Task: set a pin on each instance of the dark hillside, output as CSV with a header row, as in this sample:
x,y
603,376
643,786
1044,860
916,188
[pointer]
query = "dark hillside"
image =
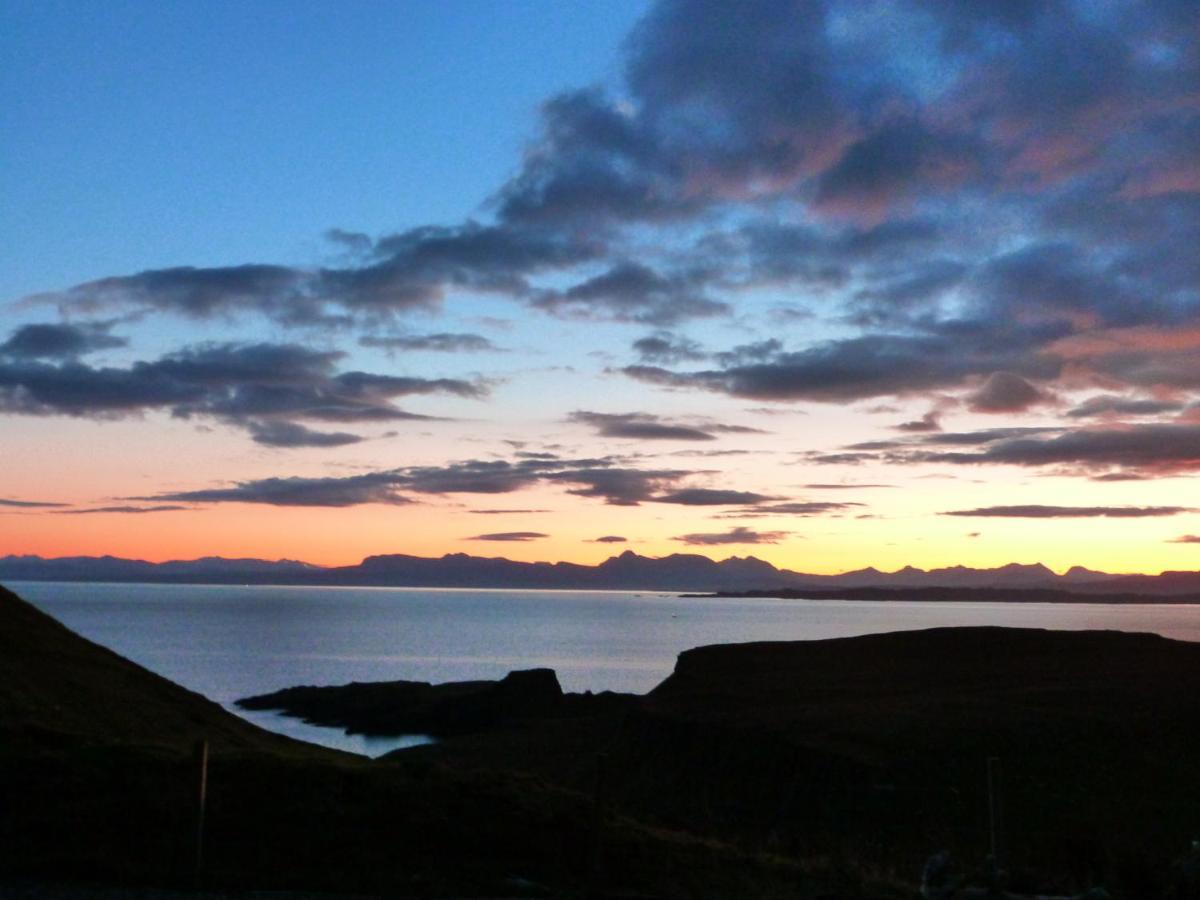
x,y
56,686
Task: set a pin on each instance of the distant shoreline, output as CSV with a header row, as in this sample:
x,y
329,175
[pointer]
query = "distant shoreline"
x,y
961,595
873,594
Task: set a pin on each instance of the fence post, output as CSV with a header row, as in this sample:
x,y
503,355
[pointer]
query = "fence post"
x,y
200,770
995,784
599,815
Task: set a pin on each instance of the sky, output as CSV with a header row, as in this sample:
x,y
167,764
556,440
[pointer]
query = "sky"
x,y
833,284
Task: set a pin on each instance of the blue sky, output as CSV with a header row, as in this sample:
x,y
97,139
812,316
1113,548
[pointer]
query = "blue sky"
x,y
143,135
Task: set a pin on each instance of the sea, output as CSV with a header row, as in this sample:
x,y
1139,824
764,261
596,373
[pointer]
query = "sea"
x,y
228,642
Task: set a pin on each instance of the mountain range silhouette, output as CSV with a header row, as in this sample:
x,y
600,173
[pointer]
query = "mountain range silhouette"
x,y
628,571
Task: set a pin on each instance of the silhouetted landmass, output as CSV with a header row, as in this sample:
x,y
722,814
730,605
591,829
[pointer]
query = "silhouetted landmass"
x,y
98,786
874,749
628,571
417,707
799,769
958,595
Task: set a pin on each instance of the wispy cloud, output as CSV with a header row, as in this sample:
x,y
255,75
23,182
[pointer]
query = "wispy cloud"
x,y
1034,511
122,510
648,427
505,536
737,535
607,478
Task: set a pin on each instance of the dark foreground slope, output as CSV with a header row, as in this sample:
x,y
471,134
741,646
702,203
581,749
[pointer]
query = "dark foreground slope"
x,y
58,689
97,786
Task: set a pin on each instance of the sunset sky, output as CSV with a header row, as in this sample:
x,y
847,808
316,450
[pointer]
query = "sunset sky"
x,y
831,284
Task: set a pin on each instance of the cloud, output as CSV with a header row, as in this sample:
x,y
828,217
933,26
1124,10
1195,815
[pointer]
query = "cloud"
x,y
407,271
870,449
1071,512
1185,539
292,434
264,388
738,535
711,497
928,422
633,292
617,485
592,163
793,508
610,539
1148,448
123,510
1005,392
1124,452
893,162
605,478
748,354
667,349
353,490
644,426
859,368
415,268
442,342
59,340
985,435
1106,405
477,476
823,258
842,487
640,426
29,504
506,512
509,536
196,292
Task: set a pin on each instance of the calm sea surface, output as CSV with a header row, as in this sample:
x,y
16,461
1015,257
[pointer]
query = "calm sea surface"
x,y
229,641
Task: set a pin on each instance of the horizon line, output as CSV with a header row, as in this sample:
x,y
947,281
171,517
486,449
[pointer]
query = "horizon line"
x,y
319,566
